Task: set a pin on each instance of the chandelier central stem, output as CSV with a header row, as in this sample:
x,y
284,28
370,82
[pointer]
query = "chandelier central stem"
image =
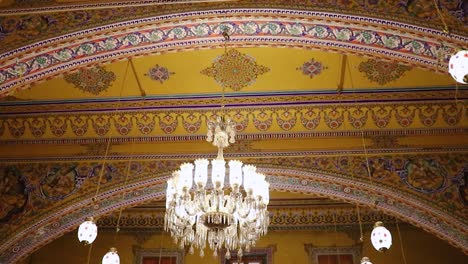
x,y
220,154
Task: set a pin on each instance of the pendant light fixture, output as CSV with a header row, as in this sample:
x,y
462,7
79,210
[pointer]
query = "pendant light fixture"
x,y
87,232
365,260
458,66
381,238
111,257
458,63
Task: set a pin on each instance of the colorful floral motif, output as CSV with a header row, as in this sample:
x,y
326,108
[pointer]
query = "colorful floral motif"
x,y
382,72
426,176
59,182
235,70
52,59
94,80
159,73
312,68
16,30
294,119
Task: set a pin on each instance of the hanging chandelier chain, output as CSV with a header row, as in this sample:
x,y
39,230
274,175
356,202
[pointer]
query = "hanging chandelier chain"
x,y
401,243
88,257
441,17
364,146
127,174
223,88
88,230
339,91
103,166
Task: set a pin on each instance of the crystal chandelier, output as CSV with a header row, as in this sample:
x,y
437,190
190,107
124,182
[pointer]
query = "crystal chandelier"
x,y
230,215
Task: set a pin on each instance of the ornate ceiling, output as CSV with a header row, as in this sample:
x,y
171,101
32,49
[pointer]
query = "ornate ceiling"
x,y
317,95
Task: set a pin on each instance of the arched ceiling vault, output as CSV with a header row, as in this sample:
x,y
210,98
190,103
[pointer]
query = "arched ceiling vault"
x,y
332,32
322,184
324,94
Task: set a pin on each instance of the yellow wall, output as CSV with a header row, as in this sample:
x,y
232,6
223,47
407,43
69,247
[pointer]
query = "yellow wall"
x,y
419,248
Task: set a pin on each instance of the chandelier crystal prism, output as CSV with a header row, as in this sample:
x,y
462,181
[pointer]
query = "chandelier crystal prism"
x,y
206,203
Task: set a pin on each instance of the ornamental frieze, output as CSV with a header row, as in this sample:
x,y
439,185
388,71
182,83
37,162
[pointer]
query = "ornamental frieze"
x,y
323,118
21,29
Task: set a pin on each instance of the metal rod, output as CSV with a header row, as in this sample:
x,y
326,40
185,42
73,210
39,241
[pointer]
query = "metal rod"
x,y
143,93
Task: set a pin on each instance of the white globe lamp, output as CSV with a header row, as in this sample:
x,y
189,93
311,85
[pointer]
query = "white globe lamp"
x,y
458,66
365,260
381,238
111,257
87,232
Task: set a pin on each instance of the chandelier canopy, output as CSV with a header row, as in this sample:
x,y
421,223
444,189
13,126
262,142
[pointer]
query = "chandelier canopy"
x,y
206,202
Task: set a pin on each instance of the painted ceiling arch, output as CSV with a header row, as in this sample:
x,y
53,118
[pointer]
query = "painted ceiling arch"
x,y
145,187
308,136
332,32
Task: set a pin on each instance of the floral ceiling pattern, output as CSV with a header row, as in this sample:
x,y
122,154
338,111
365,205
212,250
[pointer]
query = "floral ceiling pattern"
x,y
235,70
382,72
93,80
312,68
18,30
159,73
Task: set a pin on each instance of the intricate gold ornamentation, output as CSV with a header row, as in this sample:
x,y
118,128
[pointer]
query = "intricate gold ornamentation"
x,y
94,80
382,72
235,70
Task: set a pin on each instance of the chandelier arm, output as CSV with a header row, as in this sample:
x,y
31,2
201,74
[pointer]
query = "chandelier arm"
x,y
244,215
201,198
205,205
246,203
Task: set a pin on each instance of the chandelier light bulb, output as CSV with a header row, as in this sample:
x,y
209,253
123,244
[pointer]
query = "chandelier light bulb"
x,y
458,66
111,257
365,260
87,232
381,238
201,172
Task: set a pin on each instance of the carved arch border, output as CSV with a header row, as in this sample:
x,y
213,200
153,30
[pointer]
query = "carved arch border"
x,y
326,31
294,180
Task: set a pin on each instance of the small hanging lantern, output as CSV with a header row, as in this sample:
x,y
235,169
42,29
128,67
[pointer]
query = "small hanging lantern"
x,y
111,257
458,66
365,260
87,232
381,238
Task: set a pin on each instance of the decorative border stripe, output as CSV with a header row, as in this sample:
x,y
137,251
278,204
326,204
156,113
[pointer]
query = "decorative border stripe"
x,y
271,27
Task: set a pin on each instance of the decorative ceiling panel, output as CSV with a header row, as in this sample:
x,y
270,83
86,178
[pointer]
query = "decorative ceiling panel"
x,y
416,46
